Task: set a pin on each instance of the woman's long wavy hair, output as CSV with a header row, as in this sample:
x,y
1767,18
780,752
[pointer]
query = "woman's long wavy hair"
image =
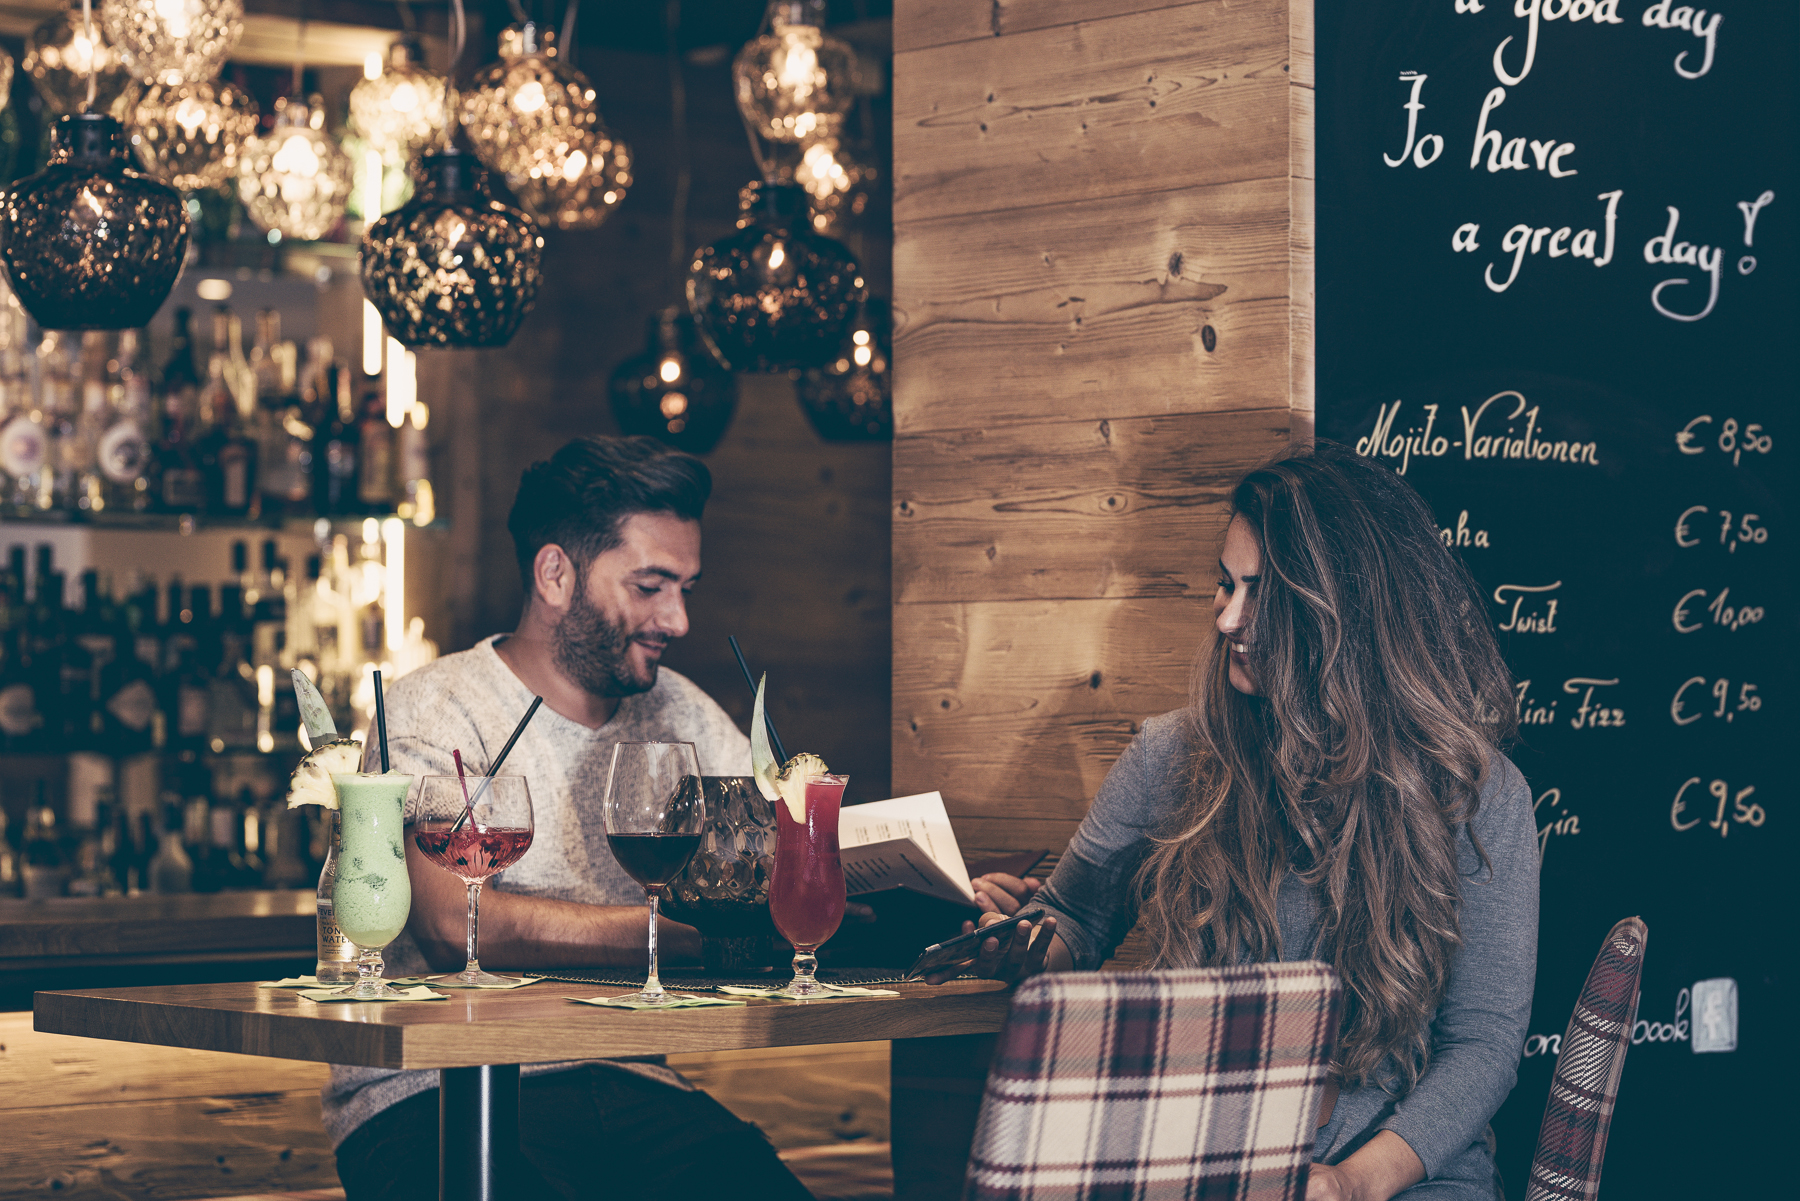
x,y
1383,703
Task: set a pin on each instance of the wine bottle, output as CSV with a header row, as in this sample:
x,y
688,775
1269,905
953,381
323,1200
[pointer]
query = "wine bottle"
x,y
170,870
46,868
228,453
122,452
180,476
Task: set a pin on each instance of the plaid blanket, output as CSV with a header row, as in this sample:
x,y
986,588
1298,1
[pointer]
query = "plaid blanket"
x,y
1572,1141
1139,1086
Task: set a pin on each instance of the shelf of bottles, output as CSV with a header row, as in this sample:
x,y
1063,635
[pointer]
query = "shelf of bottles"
x,y
147,726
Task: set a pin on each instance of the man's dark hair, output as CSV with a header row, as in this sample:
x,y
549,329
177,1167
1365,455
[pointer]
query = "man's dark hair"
x,y
581,496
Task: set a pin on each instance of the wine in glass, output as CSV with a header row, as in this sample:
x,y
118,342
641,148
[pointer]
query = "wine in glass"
x,y
372,895
654,814
474,829
806,892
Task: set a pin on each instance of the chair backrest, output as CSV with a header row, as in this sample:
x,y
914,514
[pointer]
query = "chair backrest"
x,y
1149,1085
1572,1141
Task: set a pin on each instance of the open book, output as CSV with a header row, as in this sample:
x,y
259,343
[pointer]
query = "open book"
x,y
905,843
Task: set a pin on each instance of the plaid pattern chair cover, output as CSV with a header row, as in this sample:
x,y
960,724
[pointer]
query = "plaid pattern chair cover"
x,y
1191,1084
1572,1141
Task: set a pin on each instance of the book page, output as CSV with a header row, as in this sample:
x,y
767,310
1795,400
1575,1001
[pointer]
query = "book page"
x,y
906,842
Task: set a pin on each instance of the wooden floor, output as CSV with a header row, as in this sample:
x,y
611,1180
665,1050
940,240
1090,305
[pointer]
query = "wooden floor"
x,y
87,1120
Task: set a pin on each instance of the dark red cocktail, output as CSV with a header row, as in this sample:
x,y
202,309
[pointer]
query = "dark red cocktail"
x,y
806,891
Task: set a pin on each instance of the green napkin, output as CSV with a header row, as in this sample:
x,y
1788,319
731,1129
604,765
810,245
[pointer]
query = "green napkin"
x,y
831,990
675,1001
452,982
416,993
313,982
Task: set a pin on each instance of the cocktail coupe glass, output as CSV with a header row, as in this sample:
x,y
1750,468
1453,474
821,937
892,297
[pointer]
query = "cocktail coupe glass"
x,y
372,895
495,835
806,893
655,812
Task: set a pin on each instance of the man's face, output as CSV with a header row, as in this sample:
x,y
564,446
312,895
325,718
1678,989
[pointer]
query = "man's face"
x,y
630,606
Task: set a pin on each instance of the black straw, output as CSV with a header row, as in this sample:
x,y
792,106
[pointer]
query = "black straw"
x,y
381,723
494,768
781,755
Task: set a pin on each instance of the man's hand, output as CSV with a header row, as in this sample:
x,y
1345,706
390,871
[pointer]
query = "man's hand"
x,y
1011,957
1000,893
1381,1167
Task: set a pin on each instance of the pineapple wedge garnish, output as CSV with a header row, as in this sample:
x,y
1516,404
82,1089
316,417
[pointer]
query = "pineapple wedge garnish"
x,y
787,782
311,781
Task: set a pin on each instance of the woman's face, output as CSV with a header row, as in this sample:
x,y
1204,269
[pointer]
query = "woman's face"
x,y
1240,564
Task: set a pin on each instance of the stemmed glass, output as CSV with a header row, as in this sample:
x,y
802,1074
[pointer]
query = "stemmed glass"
x,y
654,814
806,893
372,895
496,832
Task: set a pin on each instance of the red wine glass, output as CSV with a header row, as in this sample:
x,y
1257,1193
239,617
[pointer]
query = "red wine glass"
x,y
493,836
655,811
806,893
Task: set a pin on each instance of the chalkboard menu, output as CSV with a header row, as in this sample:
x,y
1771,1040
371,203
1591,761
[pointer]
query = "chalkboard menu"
x,y
1556,284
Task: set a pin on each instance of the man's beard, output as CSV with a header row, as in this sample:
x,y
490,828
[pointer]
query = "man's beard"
x,y
591,651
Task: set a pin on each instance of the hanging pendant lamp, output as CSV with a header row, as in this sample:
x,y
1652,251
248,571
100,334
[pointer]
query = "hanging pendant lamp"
x,y
775,295
675,392
851,398
796,79
531,111
837,179
296,181
89,243
401,110
62,52
578,189
174,41
191,134
452,266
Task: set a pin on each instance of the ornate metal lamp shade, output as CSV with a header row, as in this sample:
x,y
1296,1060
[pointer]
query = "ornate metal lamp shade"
x,y
6,78
851,398
452,266
402,110
89,243
675,391
796,79
835,178
191,134
775,295
296,180
530,111
173,41
58,57
583,189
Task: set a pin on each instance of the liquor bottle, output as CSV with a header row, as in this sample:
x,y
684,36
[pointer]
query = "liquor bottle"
x,y
21,720
10,882
337,444
228,454
170,870
336,954
24,442
122,451
180,475
128,696
91,875
216,869
59,403
265,357
283,833
124,863
417,503
376,489
283,427
46,868
249,862
88,490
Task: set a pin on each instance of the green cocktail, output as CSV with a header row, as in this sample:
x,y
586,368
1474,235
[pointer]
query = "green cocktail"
x,y
373,895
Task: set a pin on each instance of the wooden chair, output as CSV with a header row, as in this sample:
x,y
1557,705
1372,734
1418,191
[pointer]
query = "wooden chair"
x,y
1192,1084
1572,1141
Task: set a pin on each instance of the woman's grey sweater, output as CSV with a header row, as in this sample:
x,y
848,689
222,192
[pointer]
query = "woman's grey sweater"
x,y
1479,1029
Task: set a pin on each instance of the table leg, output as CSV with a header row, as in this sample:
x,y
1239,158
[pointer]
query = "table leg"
x,y
478,1132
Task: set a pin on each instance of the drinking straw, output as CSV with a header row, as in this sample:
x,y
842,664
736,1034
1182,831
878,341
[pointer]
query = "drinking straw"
x,y
781,755
381,723
498,760
462,778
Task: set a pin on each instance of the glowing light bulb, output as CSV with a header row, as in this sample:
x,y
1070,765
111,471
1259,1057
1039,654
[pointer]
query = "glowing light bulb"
x,y
530,97
669,370
172,42
777,256
796,79
372,65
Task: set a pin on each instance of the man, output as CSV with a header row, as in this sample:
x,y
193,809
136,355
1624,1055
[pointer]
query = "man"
x,y
607,533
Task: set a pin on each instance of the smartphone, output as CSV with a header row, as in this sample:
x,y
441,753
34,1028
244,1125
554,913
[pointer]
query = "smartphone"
x,y
965,947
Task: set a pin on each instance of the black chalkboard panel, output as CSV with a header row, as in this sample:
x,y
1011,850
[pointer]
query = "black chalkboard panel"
x,y
1559,293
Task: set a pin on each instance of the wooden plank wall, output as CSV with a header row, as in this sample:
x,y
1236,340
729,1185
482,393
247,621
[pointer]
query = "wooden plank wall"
x,y
1103,288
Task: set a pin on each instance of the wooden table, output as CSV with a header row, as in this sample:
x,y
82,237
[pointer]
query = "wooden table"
x,y
479,1039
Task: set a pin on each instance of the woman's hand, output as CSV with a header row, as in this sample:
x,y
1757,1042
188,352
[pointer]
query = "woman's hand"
x,y
1011,957
1005,895
1327,1183
1382,1167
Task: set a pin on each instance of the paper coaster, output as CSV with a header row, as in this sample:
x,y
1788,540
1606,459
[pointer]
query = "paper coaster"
x,y
452,982
674,1002
831,991
415,993
313,982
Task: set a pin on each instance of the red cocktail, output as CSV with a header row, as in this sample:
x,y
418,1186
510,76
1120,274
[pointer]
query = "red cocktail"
x,y
806,892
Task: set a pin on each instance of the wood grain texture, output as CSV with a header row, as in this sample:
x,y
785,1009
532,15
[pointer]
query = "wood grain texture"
x,y
940,22
533,1025
1100,307
1112,508
146,928
1146,102
1302,171
1016,710
800,1096
218,1146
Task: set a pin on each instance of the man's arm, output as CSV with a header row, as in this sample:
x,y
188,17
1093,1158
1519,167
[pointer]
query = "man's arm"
x,y
519,932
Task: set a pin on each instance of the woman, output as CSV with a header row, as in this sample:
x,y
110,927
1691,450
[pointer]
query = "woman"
x,y
1335,791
